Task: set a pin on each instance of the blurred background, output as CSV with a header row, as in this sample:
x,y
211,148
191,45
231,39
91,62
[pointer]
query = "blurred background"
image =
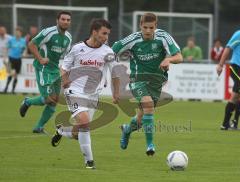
x,y
202,20
120,13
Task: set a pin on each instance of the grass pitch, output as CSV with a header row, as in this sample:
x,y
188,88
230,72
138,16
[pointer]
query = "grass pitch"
x,y
192,127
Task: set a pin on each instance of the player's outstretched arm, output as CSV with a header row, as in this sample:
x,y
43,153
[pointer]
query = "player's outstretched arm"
x,y
116,89
65,78
224,57
177,58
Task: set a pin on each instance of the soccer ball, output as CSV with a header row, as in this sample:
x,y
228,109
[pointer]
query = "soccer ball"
x,y
177,160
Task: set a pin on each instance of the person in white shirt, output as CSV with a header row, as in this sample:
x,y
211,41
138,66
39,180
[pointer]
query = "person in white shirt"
x,y
83,76
4,38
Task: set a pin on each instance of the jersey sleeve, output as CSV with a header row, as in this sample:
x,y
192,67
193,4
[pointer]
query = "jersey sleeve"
x,y
44,36
234,41
40,38
170,45
68,60
126,44
69,45
118,46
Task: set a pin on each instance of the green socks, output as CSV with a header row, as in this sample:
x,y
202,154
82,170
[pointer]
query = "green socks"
x,y
133,126
38,101
147,124
46,115
148,127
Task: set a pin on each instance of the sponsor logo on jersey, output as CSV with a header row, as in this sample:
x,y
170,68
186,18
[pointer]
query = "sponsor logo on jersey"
x,y
81,50
139,49
154,46
57,49
91,63
148,57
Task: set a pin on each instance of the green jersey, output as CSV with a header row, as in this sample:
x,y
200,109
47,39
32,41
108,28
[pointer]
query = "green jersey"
x,y
147,55
53,45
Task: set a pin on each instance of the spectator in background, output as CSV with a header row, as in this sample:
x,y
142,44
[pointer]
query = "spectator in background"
x,y
16,46
216,51
33,31
191,52
4,38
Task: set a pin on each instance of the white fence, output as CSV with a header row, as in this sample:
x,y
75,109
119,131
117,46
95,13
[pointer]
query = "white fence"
x,y
186,81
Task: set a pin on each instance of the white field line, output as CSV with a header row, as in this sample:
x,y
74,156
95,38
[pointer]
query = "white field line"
x,y
26,136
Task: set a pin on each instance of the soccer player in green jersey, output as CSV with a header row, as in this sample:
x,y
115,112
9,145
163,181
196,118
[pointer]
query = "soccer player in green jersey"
x,y
48,47
152,50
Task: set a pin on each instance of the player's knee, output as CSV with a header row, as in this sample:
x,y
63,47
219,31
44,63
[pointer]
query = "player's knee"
x,y
79,128
148,110
52,101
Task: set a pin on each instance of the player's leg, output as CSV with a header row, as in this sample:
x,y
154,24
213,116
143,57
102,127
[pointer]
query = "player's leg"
x,y
236,116
9,78
231,105
48,111
80,130
38,100
84,138
17,68
148,122
127,129
229,108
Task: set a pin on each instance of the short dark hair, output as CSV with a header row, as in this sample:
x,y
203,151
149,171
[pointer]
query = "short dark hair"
x,y
97,24
148,17
63,13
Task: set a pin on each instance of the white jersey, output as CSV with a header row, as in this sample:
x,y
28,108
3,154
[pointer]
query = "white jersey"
x,y
4,45
88,67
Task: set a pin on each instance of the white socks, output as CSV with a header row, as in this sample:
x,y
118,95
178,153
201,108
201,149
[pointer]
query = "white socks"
x,y
85,145
84,140
65,131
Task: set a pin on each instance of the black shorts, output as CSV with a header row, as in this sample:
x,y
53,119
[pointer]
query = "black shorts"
x,y
235,75
15,64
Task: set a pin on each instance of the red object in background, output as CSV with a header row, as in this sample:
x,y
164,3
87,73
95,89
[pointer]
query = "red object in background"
x,y
216,54
227,94
30,83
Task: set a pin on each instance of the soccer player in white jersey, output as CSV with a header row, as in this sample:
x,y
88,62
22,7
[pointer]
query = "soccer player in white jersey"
x,y
83,77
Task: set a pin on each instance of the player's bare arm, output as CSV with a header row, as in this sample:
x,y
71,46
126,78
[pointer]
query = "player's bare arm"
x,y
224,57
177,58
34,50
65,78
116,88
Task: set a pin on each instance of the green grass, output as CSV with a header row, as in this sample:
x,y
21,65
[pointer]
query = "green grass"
x,y
213,154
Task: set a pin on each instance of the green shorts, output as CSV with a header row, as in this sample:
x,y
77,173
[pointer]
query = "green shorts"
x,y
48,83
143,88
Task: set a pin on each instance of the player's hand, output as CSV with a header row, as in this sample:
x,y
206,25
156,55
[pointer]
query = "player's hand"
x,y
43,61
65,83
219,69
165,64
116,98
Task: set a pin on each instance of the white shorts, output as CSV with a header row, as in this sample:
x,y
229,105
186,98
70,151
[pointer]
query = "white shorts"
x,y
81,102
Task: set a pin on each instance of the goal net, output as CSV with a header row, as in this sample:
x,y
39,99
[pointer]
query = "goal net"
x,y
183,25
42,16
